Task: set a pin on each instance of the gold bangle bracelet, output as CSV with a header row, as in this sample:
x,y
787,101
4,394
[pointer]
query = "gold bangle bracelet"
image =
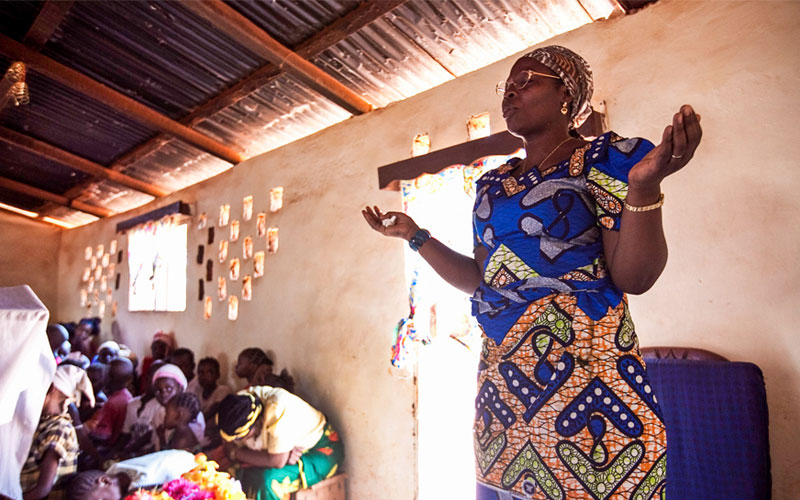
x,y
646,208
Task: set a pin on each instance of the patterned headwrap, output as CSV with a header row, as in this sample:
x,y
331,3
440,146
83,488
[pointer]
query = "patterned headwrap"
x,y
237,414
576,74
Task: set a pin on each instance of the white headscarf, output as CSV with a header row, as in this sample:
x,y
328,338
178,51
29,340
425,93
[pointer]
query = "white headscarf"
x,y
173,372
72,381
109,344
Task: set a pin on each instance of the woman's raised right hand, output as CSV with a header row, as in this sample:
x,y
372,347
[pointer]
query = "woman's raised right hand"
x,y
404,226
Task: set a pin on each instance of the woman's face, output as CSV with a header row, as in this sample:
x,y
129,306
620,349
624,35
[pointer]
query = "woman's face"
x,y
244,368
166,389
537,106
82,338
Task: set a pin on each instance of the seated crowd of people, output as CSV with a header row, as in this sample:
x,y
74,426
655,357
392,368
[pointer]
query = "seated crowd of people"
x,y
102,417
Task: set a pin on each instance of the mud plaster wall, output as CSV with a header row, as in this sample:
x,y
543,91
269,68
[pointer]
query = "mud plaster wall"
x,y
28,256
331,296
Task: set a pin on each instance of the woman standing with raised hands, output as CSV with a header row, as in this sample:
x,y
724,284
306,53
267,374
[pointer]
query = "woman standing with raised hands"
x,y
564,406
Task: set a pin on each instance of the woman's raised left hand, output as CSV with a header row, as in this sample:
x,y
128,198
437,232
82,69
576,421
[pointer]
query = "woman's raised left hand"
x,y
678,144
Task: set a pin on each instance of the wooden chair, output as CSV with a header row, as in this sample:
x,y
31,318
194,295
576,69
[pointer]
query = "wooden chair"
x,y
330,489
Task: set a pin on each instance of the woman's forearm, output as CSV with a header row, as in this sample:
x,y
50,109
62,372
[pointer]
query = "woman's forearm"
x,y
459,270
261,458
636,256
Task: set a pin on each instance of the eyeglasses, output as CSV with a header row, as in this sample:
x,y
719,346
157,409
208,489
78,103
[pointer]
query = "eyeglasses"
x,y
520,81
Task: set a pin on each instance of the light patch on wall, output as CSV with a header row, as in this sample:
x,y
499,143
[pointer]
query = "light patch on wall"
x,y
258,265
105,260
84,297
276,199
272,240
247,287
247,207
234,269
223,251
208,306
87,253
478,126
87,273
202,221
234,230
112,247
247,248
261,225
224,215
233,308
101,249
421,144
222,288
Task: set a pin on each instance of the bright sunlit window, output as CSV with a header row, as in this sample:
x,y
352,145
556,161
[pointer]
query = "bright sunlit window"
x,y
157,266
448,342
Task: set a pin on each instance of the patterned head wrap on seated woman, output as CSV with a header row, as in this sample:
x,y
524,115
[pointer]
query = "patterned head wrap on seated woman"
x,y
72,381
237,414
173,372
576,74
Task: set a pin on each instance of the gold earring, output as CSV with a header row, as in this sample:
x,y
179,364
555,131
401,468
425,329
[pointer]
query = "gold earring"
x,y
564,109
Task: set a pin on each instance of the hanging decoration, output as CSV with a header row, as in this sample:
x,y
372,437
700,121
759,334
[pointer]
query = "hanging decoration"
x,y
18,90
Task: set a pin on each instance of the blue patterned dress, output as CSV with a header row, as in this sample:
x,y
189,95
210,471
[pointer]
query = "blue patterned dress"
x,y
564,407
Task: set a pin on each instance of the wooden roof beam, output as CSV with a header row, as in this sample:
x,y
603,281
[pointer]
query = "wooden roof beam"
x,y
74,161
124,104
46,22
250,36
54,198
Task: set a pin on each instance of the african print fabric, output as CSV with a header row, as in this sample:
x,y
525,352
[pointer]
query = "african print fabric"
x,y
319,463
564,407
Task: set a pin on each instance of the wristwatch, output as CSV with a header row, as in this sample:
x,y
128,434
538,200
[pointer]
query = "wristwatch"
x,y
419,239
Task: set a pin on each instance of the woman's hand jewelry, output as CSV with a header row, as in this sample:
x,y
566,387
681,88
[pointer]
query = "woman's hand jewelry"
x,y
678,144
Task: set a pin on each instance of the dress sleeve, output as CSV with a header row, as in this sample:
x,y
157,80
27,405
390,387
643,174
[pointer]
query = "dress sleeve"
x,y
607,179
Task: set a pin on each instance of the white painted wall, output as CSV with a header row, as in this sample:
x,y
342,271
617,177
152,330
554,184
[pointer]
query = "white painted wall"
x,y
331,296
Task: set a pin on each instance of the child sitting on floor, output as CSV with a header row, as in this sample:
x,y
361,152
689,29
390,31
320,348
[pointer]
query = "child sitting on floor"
x,y
168,382
53,456
183,358
208,392
98,375
136,437
180,412
105,425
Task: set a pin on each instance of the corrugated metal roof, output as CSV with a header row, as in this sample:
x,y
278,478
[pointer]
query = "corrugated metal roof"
x,y
169,59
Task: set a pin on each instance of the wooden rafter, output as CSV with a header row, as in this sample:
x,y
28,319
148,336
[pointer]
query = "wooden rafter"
x,y
74,161
124,104
332,34
253,38
46,22
54,198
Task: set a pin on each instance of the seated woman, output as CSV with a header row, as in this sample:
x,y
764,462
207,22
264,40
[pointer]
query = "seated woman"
x,y
284,443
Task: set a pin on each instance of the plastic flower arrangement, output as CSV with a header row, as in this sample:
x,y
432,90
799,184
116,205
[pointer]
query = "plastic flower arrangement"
x,y
203,482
